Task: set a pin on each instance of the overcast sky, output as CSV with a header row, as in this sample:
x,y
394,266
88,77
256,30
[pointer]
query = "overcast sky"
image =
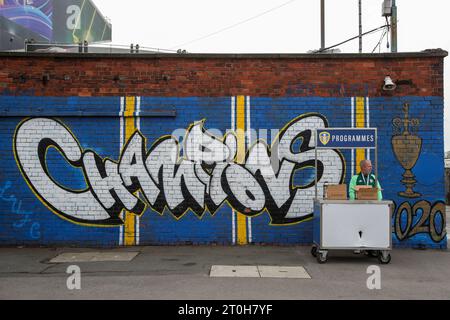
x,y
276,26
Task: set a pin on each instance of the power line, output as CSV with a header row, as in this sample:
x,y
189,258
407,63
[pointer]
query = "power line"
x,y
234,25
385,33
381,40
353,38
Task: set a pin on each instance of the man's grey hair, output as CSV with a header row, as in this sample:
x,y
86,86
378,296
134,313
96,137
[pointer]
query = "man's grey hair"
x,y
362,162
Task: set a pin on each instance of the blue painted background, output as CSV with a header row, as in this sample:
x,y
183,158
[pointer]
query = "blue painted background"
x,y
95,123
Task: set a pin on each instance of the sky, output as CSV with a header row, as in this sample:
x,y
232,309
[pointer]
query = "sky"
x,y
277,26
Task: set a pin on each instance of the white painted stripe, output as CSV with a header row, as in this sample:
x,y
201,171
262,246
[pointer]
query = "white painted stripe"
x,y
233,114
138,126
138,110
233,129
122,105
368,121
249,142
352,126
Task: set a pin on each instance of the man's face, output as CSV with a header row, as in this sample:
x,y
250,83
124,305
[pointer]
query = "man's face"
x,y
366,167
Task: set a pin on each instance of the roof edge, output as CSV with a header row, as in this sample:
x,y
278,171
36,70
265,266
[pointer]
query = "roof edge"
x,y
421,54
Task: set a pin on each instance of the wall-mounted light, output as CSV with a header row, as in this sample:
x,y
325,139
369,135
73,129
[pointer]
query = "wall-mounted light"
x,y
389,85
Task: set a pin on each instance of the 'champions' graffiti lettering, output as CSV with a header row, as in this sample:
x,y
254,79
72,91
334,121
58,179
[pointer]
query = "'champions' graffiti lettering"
x,y
198,175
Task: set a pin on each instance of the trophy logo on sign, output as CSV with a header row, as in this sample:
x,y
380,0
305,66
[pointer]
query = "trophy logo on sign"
x,y
407,147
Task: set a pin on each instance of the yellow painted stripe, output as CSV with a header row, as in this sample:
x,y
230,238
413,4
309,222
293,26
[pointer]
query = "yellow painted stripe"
x,y
360,123
240,158
130,218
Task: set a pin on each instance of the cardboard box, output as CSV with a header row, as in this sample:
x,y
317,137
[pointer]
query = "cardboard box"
x,y
335,192
357,188
367,194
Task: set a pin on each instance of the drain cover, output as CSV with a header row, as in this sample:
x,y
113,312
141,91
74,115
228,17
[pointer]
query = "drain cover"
x,y
93,257
234,271
297,272
283,272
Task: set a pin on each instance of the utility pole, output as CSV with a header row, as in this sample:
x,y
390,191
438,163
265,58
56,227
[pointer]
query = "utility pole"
x,y
360,26
394,27
322,24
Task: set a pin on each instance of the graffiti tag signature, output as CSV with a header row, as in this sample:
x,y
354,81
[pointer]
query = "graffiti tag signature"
x,y
16,207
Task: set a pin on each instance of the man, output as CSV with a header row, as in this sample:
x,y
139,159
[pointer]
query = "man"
x,y
364,178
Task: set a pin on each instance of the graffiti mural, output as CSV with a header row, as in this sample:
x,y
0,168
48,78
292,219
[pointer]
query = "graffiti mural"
x,y
108,171
25,217
407,146
421,217
200,174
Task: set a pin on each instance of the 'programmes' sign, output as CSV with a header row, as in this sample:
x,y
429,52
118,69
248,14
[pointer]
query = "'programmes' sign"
x,y
346,138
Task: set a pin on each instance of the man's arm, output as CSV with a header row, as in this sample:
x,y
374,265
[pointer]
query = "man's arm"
x,y
351,188
380,195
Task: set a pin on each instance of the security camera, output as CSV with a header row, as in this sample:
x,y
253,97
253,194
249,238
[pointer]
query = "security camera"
x,y
389,85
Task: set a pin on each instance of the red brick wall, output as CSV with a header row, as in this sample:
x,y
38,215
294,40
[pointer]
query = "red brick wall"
x,y
221,75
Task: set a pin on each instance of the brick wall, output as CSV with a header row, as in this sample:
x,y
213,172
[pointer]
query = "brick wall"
x,y
105,150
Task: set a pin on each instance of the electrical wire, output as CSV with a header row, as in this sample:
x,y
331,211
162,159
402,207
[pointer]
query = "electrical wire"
x,y
233,25
353,38
381,40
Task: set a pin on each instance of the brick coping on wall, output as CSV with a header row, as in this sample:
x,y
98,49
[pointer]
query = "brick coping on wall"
x,y
421,54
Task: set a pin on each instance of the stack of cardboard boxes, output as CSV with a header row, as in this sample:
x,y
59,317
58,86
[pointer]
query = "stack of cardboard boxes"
x,y
339,192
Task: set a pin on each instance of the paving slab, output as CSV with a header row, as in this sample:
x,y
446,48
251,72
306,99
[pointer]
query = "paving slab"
x,y
234,271
283,272
94,256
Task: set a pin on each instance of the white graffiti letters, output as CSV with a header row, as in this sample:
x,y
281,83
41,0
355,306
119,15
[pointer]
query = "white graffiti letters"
x,y
32,139
198,176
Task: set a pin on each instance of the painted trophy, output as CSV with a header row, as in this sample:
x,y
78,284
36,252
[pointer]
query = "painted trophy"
x,y
407,147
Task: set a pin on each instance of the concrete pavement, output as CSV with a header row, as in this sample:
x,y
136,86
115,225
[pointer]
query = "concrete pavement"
x,y
182,272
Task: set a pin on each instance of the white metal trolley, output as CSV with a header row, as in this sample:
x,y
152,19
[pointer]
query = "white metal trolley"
x,y
350,224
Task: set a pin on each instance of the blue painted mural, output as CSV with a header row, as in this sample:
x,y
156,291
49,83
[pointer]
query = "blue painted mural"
x,y
107,171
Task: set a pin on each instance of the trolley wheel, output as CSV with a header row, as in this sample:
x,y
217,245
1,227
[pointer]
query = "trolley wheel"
x,y
384,259
321,257
314,251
